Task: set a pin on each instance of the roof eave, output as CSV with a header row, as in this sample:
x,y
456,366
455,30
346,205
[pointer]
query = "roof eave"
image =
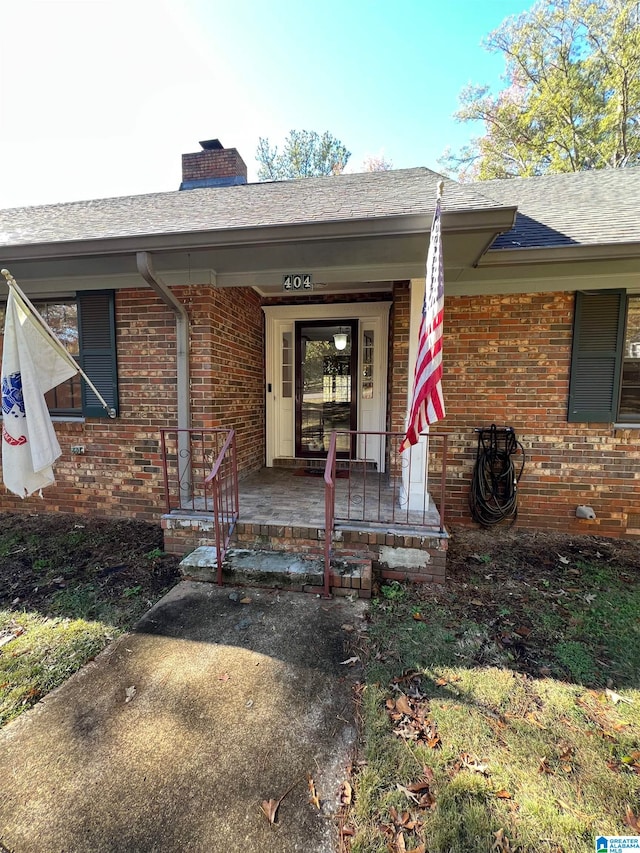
x,y
498,219
555,254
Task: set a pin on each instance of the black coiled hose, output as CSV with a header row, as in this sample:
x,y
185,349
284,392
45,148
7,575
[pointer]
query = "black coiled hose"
x,y
494,484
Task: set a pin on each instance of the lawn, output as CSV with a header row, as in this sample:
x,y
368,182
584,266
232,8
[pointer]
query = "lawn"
x,y
68,586
502,712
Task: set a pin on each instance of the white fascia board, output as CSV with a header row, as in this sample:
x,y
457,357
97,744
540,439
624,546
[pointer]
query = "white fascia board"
x,y
559,254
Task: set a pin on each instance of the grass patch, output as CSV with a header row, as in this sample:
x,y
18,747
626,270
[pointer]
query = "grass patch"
x,y
45,652
491,703
68,586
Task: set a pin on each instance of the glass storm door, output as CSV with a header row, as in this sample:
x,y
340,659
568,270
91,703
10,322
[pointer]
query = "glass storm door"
x,y
326,385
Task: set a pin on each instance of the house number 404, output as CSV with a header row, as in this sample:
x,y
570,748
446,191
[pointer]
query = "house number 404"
x,y
297,281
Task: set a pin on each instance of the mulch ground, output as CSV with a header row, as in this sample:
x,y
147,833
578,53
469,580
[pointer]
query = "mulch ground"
x,y
43,554
497,577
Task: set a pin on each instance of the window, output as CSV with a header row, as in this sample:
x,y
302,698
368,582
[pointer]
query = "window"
x,y
605,361
629,409
62,319
85,325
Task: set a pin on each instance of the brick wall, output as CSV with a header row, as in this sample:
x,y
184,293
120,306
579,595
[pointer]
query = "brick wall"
x,y
218,163
120,473
506,361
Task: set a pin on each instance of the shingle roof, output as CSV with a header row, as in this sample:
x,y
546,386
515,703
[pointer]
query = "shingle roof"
x,y
577,208
312,200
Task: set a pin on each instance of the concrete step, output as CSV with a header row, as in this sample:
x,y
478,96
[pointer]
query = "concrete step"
x,y
281,570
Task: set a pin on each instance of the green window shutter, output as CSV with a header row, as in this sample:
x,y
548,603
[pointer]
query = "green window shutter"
x,y
596,358
96,325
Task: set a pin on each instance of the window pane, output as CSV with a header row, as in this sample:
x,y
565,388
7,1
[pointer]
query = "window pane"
x,y
367,365
630,391
287,364
62,319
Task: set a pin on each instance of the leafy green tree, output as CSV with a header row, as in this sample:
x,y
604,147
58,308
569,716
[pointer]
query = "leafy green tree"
x,y
572,99
305,154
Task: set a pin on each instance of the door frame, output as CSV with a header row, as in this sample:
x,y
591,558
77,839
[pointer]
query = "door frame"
x,y
282,317
354,328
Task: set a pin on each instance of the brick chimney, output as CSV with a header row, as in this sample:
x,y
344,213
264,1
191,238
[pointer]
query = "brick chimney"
x,y
214,166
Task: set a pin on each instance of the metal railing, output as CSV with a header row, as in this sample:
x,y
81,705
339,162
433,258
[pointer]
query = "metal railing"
x,y
397,498
223,483
188,455
329,510
201,475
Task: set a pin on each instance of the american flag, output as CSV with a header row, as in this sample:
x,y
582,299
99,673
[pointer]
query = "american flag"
x,y
427,404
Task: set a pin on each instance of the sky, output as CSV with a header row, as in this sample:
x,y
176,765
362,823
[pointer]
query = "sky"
x,y
100,98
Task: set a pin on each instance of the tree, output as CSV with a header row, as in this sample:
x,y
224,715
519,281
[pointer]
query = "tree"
x,y
305,154
572,99
376,163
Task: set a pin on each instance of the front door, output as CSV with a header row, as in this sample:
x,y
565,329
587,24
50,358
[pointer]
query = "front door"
x,y
326,385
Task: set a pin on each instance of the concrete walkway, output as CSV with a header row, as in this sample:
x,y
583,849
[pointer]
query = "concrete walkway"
x,y
231,704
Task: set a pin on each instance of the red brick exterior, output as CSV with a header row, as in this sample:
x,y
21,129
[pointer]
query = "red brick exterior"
x,y
221,163
507,361
120,473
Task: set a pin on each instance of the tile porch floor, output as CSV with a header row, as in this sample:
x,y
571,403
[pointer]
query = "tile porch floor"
x,y
278,496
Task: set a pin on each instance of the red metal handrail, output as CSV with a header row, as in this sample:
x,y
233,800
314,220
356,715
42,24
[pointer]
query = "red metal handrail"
x,y
367,488
223,481
385,499
329,509
392,493
187,458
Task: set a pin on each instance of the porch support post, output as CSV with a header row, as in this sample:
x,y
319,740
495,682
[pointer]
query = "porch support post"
x,y
414,494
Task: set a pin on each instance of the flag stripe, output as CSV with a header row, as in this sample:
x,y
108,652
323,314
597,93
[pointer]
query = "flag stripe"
x,y
427,402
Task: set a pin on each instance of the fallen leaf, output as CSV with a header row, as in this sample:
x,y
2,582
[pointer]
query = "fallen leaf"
x,y
501,843
632,820
590,598
543,767
418,617
224,676
346,794
347,628
472,763
129,693
270,809
402,705
503,795
349,661
246,600
441,682
564,560
522,631
313,794
428,773
633,756
476,602
616,697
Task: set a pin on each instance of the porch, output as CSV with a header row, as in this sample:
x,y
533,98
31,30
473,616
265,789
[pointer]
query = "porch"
x,y
290,507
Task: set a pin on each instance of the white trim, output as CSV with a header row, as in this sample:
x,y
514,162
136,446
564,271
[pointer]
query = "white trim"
x,y
376,313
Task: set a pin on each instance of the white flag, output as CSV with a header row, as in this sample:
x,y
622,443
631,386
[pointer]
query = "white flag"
x,y
32,363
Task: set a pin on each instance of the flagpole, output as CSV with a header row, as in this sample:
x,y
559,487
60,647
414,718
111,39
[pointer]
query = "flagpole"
x,y
62,351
